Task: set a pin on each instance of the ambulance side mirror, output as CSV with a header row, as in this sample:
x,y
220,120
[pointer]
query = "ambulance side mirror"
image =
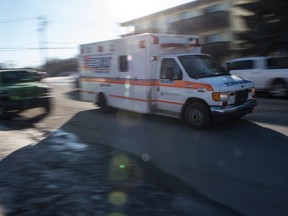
x,y
228,67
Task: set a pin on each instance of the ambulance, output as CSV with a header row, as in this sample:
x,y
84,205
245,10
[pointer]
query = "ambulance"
x,y
162,74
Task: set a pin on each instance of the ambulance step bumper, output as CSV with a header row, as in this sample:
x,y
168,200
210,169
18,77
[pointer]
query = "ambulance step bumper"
x,y
233,111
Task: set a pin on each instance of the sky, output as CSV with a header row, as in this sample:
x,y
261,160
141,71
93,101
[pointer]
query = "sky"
x,y
62,25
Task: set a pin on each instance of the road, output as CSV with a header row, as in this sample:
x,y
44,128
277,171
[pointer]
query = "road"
x,y
242,164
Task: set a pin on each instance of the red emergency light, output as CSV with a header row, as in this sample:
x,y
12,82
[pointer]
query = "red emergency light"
x,y
154,40
142,44
194,43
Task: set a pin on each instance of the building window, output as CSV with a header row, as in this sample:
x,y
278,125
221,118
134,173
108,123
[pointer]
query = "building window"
x,y
82,50
88,50
185,15
172,18
213,38
214,8
123,63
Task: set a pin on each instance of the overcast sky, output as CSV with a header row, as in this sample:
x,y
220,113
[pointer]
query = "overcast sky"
x,y
69,23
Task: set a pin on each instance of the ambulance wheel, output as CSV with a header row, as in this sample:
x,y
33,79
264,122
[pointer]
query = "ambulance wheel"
x,y
102,103
198,116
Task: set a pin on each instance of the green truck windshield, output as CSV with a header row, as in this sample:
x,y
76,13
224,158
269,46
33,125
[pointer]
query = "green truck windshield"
x,y
16,77
201,66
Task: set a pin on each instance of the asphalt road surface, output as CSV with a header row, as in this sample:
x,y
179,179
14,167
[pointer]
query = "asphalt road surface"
x,y
243,165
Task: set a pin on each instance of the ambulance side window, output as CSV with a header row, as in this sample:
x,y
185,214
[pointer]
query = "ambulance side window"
x,y
170,70
123,63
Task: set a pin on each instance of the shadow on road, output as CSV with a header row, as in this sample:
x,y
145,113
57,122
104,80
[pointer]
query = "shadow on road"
x,y
74,94
267,95
19,122
48,177
134,153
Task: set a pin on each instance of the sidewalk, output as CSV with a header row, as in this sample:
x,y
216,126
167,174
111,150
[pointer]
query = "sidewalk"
x,y
60,176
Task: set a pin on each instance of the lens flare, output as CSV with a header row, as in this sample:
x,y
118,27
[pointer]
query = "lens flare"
x,y
119,167
118,198
128,119
145,157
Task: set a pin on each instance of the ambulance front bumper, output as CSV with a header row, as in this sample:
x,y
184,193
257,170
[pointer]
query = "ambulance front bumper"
x,y
233,110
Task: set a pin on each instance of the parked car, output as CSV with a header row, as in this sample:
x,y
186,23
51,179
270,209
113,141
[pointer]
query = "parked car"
x,y
20,90
268,73
41,75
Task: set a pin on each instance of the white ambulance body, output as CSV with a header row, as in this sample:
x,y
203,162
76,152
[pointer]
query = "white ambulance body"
x,y
162,74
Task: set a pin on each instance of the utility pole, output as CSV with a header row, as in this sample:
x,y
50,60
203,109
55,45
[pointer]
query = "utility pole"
x,y
42,30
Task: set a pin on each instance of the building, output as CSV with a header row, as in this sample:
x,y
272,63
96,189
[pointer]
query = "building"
x,y
216,21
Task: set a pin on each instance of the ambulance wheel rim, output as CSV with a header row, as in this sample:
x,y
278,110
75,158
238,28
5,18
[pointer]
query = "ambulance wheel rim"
x,y
198,115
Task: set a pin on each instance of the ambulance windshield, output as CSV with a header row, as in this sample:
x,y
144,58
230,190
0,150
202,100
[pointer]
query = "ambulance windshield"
x,y
201,66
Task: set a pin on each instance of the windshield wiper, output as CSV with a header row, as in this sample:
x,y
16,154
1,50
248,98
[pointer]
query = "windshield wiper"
x,y
200,74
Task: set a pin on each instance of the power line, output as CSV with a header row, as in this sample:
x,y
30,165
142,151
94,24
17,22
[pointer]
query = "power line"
x,y
62,43
12,49
53,19
75,22
3,21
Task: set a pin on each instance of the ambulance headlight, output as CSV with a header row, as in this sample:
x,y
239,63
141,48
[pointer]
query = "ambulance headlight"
x,y
220,96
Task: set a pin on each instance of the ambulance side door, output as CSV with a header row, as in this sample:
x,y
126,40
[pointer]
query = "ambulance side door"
x,y
168,90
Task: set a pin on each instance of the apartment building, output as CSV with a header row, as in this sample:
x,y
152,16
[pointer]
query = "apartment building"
x,y
216,21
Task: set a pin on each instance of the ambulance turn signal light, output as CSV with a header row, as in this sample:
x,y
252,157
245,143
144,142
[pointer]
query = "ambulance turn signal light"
x,y
220,96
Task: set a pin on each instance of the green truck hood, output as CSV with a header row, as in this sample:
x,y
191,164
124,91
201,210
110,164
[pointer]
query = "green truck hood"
x,y
23,90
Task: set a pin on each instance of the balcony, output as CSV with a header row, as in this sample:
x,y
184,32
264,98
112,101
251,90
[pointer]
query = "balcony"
x,y
144,30
217,50
209,21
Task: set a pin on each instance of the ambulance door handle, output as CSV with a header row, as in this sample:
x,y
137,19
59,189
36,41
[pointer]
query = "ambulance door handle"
x,y
158,89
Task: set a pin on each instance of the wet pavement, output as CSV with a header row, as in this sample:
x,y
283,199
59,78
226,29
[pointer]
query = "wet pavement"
x,y
59,175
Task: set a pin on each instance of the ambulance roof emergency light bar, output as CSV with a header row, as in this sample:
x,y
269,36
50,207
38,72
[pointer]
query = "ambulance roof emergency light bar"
x,y
155,40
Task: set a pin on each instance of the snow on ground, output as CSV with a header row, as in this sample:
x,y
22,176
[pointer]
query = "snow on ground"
x,y
64,80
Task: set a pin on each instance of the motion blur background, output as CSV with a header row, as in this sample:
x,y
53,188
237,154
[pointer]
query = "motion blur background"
x,y
47,34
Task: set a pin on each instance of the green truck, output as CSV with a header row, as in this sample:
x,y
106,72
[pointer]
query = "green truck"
x,y
20,90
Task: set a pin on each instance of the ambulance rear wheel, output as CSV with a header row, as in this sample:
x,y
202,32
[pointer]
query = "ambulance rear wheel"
x,y
198,116
102,103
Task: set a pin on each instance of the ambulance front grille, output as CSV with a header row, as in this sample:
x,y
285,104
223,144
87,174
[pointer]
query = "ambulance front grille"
x,y
241,96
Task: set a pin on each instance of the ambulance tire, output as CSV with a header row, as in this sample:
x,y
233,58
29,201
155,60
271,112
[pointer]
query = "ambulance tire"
x,y
198,116
102,103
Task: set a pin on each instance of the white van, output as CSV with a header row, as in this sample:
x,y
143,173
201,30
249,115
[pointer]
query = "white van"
x,y
268,73
165,75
